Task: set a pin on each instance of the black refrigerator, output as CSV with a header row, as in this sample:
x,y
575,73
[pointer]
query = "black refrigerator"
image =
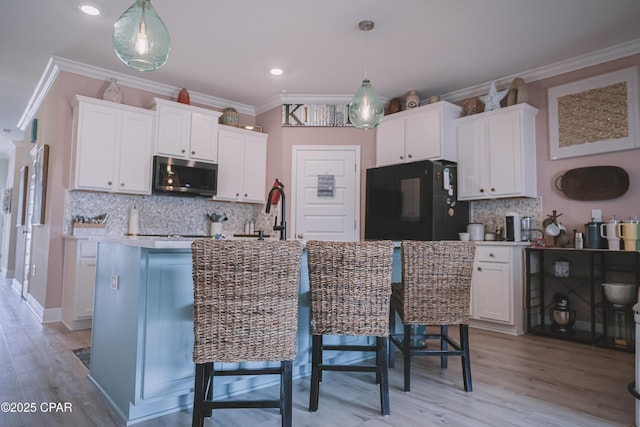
x,y
414,201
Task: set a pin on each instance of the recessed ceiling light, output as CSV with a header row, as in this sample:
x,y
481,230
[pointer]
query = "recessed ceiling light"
x,y
276,71
89,9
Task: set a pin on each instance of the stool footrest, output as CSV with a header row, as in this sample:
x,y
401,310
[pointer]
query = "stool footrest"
x,y
349,347
235,404
260,371
349,368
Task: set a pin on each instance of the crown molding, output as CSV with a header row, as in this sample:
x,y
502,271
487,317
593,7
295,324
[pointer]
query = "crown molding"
x,y
57,64
594,58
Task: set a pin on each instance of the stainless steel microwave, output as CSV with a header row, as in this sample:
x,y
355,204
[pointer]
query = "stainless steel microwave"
x,y
180,177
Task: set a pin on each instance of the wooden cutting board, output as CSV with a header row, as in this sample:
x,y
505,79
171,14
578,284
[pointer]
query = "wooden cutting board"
x,y
594,183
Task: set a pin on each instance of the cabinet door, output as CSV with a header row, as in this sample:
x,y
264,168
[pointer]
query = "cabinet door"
x,y
254,178
204,137
390,142
96,140
135,153
172,131
472,160
423,136
505,154
492,292
230,165
85,286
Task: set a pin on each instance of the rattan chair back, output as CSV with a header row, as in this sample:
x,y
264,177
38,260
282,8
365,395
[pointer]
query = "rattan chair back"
x,y
350,286
245,300
436,282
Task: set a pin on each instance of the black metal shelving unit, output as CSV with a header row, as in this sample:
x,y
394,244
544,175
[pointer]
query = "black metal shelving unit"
x,y
589,268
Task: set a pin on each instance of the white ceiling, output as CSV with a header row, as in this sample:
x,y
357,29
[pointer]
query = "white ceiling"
x,y
225,48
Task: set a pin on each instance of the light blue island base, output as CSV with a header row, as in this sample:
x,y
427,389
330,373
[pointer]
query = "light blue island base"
x,y
142,338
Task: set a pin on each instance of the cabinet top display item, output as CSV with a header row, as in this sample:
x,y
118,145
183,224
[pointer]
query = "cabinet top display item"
x,y
192,108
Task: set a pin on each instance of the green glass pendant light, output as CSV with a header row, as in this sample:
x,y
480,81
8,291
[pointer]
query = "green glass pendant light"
x,y
140,38
366,108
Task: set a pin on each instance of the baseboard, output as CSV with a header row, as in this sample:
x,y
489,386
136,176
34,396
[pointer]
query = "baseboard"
x,y
76,325
17,286
49,315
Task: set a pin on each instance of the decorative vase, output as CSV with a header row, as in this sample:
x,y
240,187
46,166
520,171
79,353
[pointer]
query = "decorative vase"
x,y
112,93
216,230
230,117
413,100
394,106
183,97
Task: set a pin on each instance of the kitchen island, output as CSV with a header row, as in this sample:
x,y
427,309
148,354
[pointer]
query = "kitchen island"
x,y
142,337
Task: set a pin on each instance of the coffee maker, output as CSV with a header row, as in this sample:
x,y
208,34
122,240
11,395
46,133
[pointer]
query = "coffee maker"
x,y
513,227
526,228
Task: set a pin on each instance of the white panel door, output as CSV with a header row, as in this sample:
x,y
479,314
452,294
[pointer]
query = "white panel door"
x,y
332,214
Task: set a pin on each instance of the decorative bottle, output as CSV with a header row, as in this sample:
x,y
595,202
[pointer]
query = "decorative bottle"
x,y
112,93
413,100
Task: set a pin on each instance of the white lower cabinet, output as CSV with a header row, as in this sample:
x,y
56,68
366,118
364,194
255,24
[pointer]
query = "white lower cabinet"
x,y
78,282
497,288
242,165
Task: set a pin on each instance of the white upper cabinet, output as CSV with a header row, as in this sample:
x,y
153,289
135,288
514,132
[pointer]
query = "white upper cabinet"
x,y
423,133
186,132
242,165
496,154
112,147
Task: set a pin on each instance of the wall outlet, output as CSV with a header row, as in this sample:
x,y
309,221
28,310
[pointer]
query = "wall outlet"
x,y
115,282
596,215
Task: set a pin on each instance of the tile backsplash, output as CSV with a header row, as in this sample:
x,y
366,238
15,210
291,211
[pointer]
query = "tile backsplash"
x,y
492,212
178,215
163,214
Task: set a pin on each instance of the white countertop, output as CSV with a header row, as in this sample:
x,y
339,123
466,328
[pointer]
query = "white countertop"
x,y
501,243
151,242
155,242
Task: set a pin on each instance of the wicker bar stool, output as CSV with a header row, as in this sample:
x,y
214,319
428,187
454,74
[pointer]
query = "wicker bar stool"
x,y
245,309
350,286
435,290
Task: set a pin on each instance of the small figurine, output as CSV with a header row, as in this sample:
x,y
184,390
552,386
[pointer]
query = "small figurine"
x,y
493,98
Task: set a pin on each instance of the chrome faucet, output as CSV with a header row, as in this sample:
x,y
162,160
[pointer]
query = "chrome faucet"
x,y
282,228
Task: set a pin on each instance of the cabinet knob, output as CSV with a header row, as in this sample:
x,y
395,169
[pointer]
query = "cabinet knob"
x,y
409,156
482,190
109,183
401,157
237,194
183,151
493,189
300,235
492,255
245,194
122,184
479,268
193,152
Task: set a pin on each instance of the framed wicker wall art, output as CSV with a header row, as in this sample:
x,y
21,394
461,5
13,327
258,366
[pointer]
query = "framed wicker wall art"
x,y
594,115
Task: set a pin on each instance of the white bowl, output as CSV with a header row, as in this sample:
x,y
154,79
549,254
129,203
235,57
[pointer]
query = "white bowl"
x,y
620,293
464,236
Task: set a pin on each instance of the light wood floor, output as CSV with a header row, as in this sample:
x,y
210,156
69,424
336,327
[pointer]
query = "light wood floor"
x,y
517,381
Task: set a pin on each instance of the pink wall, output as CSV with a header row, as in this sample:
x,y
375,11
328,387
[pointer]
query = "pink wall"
x,y
55,122
56,130
281,141
577,213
